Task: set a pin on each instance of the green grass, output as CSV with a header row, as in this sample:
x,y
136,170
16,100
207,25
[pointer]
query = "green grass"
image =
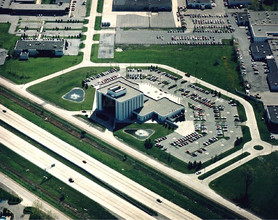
x,y
197,60
261,121
31,176
36,213
133,169
88,7
263,190
52,90
7,41
22,72
98,23
224,165
258,147
155,152
96,37
100,6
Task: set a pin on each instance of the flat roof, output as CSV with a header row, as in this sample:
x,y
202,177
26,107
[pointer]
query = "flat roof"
x,y
45,7
241,1
131,89
163,106
263,23
143,3
273,113
272,76
39,44
198,1
242,16
261,49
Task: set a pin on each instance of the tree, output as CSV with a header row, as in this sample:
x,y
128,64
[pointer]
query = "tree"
x,y
189,165
86,86
219,94
148,143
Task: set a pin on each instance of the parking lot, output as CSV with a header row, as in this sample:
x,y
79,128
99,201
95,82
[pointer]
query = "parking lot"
x,y
211,126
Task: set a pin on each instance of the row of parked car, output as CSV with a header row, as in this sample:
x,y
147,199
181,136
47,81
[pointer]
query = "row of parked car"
x,y
203,100
157,140
187,139
210,141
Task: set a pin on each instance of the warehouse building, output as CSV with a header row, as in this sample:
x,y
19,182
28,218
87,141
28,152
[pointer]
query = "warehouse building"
x,y
272,76
239,3
260,50
272,118
201,4
50,48
122,100
142,5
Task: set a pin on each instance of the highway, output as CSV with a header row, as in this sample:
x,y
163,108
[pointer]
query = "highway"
x,y
99,170
118,206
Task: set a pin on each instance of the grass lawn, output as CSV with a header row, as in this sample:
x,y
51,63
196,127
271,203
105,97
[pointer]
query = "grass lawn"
x,y
52,90
100,6
7,41
262,173
160,131
88,7
197,60
53,190
22,72
98,23
96,37
135,170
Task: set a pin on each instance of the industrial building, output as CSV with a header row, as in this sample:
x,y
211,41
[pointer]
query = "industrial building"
x,y
233,3
260,50
272,76
142,5
263,25
50,48
272,118
123,100
242,19
201,4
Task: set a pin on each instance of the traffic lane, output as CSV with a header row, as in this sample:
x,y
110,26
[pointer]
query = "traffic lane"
x,y
92,190
101,171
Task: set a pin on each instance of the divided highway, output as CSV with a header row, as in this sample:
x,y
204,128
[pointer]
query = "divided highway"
x,y
97,169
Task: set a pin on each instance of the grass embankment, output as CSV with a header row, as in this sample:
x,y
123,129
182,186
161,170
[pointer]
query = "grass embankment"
x,y
258,147
131,168
155,152
22,72
260,177
100,6
98,23
37,213
54,191
224,165
52,90
197,60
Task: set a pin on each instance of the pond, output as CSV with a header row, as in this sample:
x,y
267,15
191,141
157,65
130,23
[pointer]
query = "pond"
x,y
141,134
75,95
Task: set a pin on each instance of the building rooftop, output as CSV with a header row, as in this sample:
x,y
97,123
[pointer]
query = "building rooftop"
x,y
198,1
44,7
273,113
241,1
242,17
272,76
39,44
260,49
130,89
264,23
162,107
144,4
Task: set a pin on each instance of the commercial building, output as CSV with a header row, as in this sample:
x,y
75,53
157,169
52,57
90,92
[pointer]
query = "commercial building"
x,y
50,48
260,50
272,118
122,100
272,76
142,5
242,19
202,4
232,3
263,25
28,7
